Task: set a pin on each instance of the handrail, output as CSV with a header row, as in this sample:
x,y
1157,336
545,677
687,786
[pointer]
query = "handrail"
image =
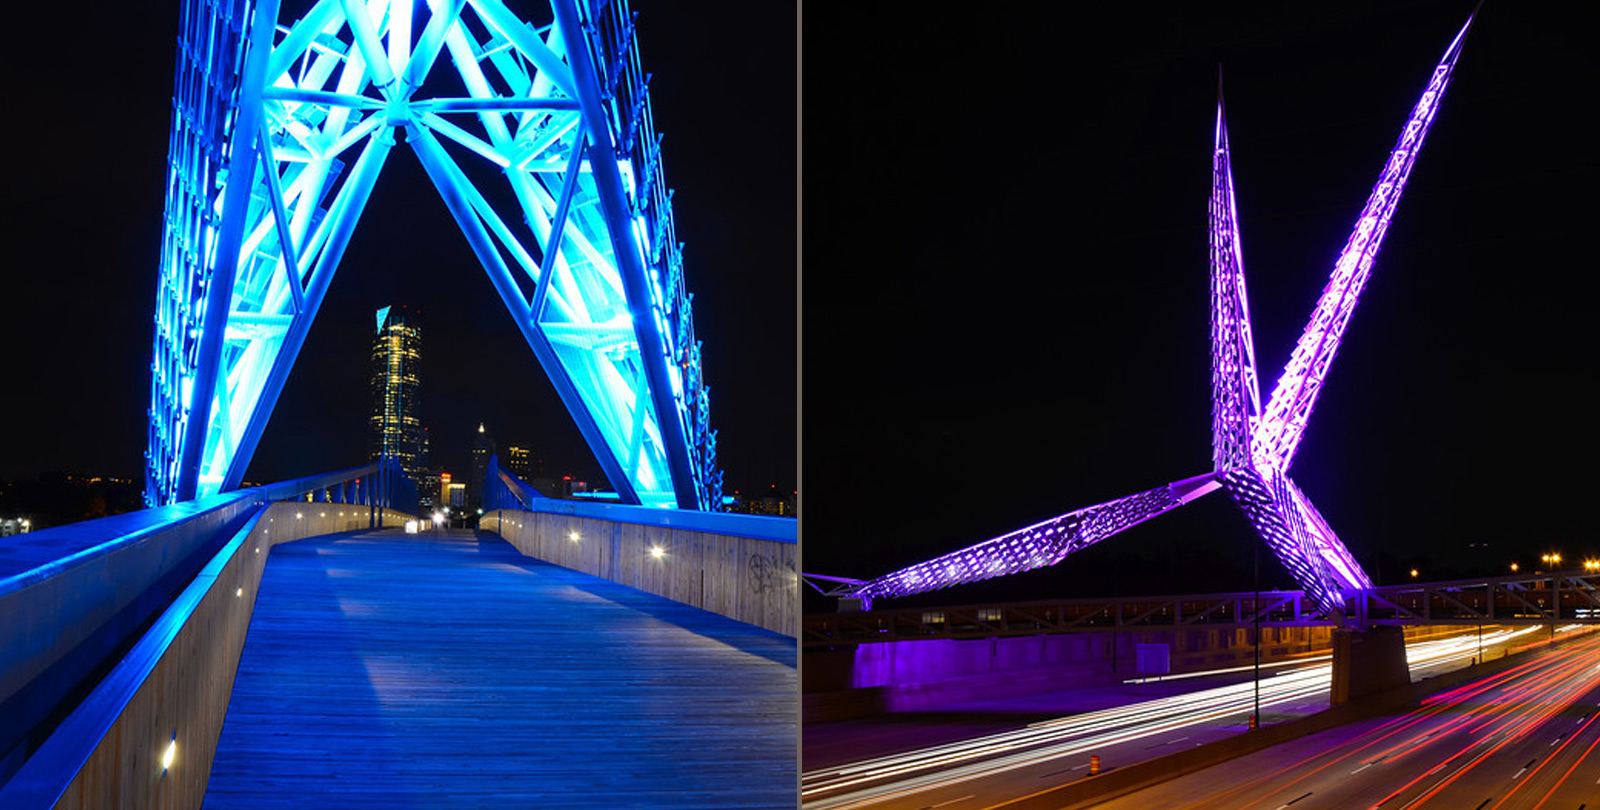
x,y
74,595
758,527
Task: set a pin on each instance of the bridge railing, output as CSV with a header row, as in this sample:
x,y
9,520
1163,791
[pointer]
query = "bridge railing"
x,y
1560,596
739,566
502,489
1223,610
76,599
1540,598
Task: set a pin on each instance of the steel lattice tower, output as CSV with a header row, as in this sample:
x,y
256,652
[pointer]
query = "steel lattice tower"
x,y
1252,445
279,131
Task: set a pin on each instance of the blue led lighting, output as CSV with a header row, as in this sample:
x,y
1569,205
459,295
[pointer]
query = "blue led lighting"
x,y
280,131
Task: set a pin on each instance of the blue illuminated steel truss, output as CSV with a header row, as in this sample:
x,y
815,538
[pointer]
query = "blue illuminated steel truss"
x,y
279,132
1252,446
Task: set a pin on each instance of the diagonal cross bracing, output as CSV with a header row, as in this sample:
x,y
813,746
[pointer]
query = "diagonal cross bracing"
x,y
279,134
1252,445
1039,545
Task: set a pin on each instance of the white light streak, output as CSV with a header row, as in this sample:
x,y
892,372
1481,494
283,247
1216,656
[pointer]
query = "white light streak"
x,y
882,778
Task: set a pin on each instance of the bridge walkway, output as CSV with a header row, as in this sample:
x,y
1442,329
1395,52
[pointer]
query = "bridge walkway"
x,y
445,669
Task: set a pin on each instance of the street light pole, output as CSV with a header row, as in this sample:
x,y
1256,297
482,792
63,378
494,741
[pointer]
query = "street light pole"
x,y
1255,606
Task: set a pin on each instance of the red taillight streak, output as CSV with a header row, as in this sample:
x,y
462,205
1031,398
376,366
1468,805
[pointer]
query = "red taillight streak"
x,y
1551,758
1547,689
1563,779
1400,724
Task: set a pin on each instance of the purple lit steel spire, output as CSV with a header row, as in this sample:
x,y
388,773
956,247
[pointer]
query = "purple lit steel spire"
x,y
1297,389
1251,447
1235,393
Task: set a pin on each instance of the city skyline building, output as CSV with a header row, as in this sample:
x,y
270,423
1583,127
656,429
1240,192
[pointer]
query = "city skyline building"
x,y
394,425
482,448
519,460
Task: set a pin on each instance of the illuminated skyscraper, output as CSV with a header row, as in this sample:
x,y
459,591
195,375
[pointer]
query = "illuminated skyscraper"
x,y
394,426
482,448
519,460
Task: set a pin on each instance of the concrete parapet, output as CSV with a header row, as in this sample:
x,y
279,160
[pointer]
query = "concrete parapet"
x,y
63,618
172,687
739,566
927,674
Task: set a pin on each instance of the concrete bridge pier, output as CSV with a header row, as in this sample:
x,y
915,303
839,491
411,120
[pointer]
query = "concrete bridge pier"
x,y
1368,660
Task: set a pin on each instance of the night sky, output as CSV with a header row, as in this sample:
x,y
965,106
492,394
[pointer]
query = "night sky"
x,y
1006,259
87,135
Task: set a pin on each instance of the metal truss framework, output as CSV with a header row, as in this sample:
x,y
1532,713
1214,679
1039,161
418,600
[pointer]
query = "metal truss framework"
x,y
280,131
1252,447
1561,597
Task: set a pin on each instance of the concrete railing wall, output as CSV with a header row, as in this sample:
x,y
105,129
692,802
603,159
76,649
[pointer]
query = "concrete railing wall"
x,y
173,686
740,566
895,676
61,619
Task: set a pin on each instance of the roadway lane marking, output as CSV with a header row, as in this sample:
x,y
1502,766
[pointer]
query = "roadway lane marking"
x,y
1063,770
1360,769
952,801
1165,744
1525,768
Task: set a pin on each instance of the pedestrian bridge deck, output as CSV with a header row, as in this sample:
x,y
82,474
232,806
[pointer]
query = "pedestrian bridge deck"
x,y
445,669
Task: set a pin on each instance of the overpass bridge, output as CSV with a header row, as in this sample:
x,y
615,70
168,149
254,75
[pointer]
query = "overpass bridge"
x,y
862,663
1562,597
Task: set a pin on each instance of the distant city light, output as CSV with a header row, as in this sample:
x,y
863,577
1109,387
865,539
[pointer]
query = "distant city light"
x,y
657,552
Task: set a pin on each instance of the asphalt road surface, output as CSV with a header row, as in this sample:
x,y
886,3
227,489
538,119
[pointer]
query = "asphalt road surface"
x,y
990,770
1528,737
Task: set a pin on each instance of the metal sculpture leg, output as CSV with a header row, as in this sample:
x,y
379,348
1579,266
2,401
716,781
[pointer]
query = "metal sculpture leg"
x,y
1252,446
261,206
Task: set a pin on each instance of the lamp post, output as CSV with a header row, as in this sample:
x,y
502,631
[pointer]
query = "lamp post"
x,y
1255,607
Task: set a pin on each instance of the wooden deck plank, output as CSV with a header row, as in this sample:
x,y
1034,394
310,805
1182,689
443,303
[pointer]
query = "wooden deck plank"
x,y
446,670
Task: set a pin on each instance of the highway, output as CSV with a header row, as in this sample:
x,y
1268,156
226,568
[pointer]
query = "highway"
x,y
1523,738
989,770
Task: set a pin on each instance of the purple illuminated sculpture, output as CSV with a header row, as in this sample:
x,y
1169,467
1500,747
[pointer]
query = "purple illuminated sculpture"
x,y
1252,447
